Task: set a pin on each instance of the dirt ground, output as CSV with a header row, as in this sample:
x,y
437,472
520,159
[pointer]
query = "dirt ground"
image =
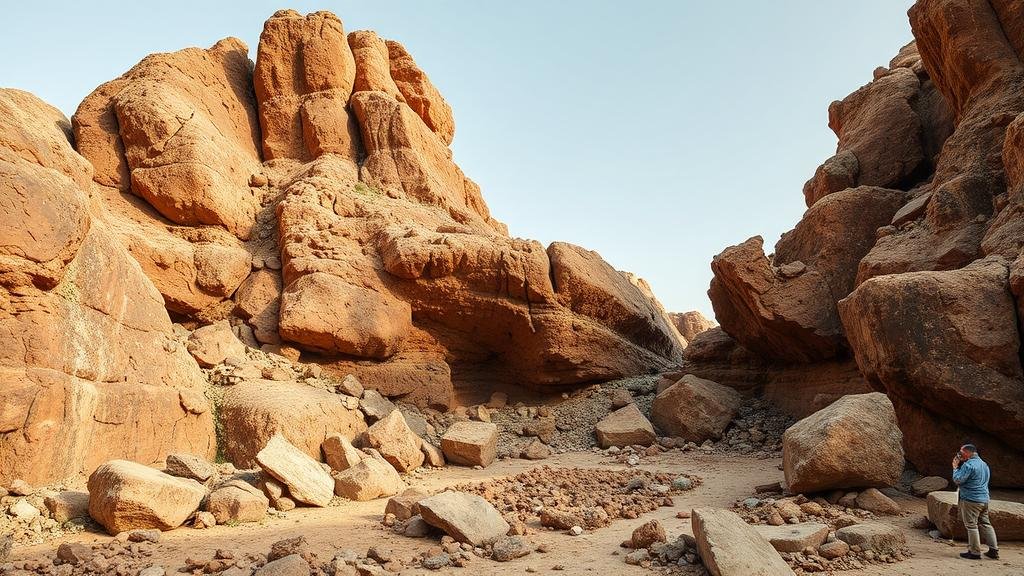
x,y
357,525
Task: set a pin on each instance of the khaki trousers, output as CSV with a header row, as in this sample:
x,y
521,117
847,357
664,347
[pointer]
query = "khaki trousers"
x,y
975,516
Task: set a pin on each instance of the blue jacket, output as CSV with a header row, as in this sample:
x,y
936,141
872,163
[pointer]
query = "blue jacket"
x,y
972,477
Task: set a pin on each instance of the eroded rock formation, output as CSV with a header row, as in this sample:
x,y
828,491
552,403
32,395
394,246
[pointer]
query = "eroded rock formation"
x,y
312,201
908,259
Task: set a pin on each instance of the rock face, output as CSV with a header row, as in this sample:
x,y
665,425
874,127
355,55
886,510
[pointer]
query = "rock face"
x,y
905,259
728,545
201,185
126,495
1007,517
853,443
91,365
695,409
689,324
626,426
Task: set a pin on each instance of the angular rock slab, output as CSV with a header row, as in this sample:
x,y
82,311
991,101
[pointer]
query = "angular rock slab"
x,y
882,538
627,426
394,440
127,495
852,443
373,477
730,547
465,517
237,501
795,537
1007,517
470,443
306,479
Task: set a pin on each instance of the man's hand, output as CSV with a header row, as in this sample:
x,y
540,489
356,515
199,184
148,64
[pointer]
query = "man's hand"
x,y
956,462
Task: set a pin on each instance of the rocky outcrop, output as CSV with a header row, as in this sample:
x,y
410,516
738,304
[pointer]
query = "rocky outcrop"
x,y
690,324
906,260
92,367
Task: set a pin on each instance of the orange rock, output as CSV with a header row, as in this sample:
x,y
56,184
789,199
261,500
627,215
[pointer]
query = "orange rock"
x,y
690,323
419,92
373,67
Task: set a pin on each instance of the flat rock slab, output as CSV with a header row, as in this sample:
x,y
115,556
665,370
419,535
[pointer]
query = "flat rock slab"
x,y
731,547
1007,517
127,495
465,517
307,481
627,426
882,538
470,443
795,537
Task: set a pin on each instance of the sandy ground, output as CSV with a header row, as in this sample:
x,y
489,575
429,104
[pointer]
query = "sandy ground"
x,y
356,526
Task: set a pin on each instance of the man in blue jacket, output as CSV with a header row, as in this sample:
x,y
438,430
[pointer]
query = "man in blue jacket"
x,y
971,474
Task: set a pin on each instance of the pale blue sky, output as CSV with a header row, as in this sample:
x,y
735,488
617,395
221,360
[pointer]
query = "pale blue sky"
x,y
656,133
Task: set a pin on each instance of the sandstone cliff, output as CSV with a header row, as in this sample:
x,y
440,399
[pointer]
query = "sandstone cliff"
x,y
907,261
312,200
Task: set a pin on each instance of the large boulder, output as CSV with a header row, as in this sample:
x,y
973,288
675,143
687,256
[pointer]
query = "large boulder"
x,y
1007,517
470,443
465,517
855,442
126,496
373,477
729,546
626,426
237,501
695,409
253,412
306,480
945,346
394,440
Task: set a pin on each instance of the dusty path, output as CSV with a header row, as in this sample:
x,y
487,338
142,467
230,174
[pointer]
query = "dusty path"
x,y
356,525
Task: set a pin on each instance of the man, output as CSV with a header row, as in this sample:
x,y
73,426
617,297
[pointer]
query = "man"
x,y
971,474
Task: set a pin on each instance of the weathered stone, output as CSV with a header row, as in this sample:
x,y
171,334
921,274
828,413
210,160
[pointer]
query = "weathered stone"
x,y
873,500
924,486
465,517
396,442
67,505
189,466
373,477
126,496
795,537
647,534
625,427
339,453
854,442
306,480
695,409
729,546
470,443
1007,517
882,538
237,501
406,504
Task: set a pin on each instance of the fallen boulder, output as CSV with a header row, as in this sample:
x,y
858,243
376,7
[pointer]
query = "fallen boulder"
x,y
873,500
189,466
695,409
306,480
470,443
394,440
626,426
214,343
237,501
339,453
406,504
795,537
1007,517
67,505
126,496
882,538
373,477
465,517
852,443
729,546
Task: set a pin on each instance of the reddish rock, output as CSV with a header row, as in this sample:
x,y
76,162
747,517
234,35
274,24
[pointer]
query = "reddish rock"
x,y
419,92
626,426
212,344
690,323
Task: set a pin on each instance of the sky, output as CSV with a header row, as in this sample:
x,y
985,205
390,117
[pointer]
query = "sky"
x,y
654,132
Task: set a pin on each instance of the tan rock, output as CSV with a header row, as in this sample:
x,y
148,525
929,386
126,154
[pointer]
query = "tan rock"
x,y
1007,517
872,500
882,538
339,453
695,409
211,345
470,443
465,517
372,478
647,534
690,323
395,442
853,442
406,504
795,537
126,496
625,427
928,484
728,545
67,505
237,501
307,482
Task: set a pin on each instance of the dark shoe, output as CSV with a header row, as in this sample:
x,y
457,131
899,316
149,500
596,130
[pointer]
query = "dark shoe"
x,y
970,556
993,553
